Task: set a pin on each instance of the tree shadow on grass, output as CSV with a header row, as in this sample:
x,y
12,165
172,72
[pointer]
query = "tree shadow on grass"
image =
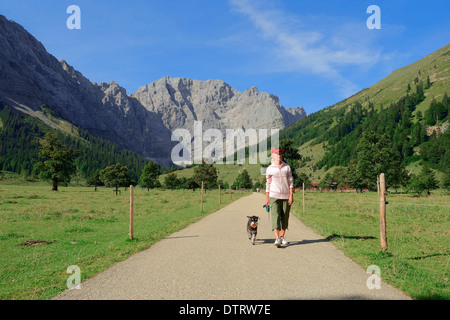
x,y
341,236
429,256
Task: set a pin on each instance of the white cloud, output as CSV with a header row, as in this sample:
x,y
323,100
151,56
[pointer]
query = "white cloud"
x,y
323,51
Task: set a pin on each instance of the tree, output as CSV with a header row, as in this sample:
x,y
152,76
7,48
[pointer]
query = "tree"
x,y
427,83
292,157
171,181
338,177
415,184
191,184
445,101
1,168
353,177
243,181
326,182
206,173
419,116
376,154
303,178
446,181
424,181
57,166
116,176
95,180
429,179
149,175
436,111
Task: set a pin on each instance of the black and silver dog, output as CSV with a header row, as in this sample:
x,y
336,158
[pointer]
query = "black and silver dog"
x,y
252,227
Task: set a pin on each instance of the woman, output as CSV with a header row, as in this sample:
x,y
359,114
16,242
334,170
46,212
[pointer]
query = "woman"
x,y
279,194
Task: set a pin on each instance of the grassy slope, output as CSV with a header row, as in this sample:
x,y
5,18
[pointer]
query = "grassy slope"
x,y
390,89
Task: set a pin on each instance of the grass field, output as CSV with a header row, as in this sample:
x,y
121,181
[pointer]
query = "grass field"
x,y
418,229
84,228
90,229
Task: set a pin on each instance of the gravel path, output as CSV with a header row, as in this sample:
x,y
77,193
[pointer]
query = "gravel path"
x,y
213,259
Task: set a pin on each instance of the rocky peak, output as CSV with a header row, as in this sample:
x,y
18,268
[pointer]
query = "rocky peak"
x,y
143,121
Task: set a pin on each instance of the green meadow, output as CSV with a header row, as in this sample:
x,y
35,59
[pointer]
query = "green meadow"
x,y
42,232
417,260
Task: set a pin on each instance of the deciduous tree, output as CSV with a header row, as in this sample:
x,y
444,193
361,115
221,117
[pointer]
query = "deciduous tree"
x,y
57,165
116,176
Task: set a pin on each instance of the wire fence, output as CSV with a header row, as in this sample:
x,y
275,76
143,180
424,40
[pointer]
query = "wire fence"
x,y
377,202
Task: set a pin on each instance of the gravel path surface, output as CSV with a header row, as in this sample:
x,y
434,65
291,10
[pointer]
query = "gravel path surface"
x,y
214,259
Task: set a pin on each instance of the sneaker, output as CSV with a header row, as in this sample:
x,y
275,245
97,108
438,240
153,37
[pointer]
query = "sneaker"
x,y
283,241
277,242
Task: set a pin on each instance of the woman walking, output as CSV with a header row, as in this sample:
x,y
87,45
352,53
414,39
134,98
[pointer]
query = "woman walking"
x,y
279,195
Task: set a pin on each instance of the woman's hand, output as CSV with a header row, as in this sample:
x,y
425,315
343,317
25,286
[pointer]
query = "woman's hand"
x,y
291,199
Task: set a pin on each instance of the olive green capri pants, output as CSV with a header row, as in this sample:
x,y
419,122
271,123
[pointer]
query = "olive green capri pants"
x,y
279,213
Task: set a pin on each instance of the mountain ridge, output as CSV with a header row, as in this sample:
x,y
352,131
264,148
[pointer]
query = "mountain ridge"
x,y
31,78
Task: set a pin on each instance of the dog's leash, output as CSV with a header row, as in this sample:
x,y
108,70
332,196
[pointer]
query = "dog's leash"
x,y
267,209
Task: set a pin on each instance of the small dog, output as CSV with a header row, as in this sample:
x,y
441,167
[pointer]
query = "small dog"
x,y
252,227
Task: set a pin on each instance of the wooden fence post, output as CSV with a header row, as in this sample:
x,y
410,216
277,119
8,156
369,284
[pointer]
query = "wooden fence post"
x,y
303,198
383,239
202,196
131,212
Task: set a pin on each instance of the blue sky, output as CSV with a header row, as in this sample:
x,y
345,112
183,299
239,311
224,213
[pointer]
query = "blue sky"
x,y
308,53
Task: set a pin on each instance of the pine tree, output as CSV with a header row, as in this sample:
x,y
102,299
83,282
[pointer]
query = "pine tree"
x,y
446,181
206,173
149,175
171,181
292,157
429,179
376,155
425,181
243,180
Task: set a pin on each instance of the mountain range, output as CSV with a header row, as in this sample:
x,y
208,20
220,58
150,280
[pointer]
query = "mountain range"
x,y
411,105
32,81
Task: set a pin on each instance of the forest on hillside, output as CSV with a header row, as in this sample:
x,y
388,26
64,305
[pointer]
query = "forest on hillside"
x,y
341,130
20,135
